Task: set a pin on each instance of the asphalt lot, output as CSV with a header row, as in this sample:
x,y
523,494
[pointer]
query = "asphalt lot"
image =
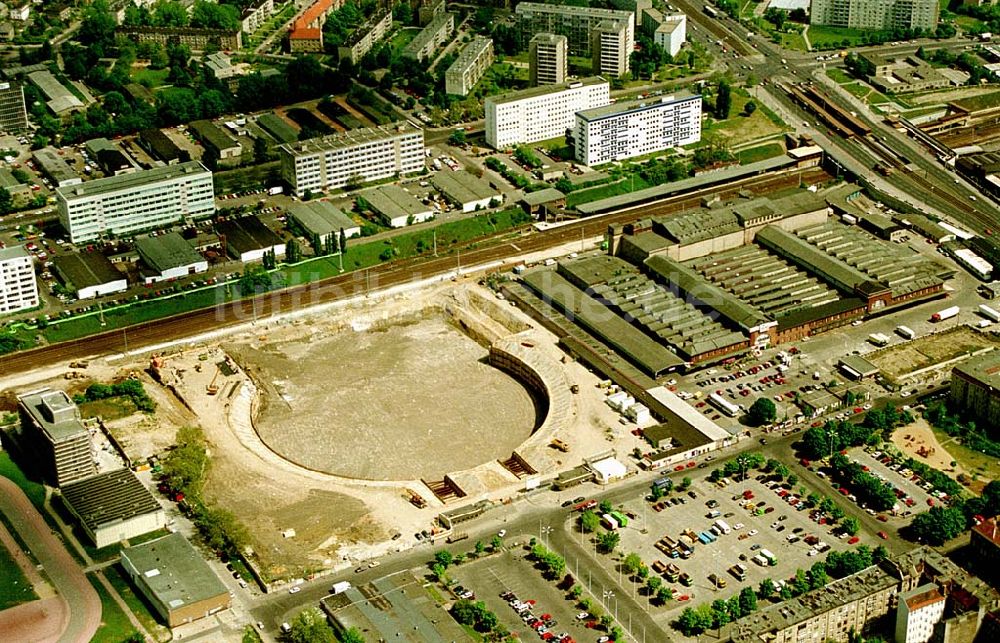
x,y
912,489
510,571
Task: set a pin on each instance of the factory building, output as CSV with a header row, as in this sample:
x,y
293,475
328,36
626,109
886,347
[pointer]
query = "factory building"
x,y
168,256
113,506
541,113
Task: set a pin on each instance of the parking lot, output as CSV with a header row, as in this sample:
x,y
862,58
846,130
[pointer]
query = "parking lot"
x,y
901,479
762,520
510,572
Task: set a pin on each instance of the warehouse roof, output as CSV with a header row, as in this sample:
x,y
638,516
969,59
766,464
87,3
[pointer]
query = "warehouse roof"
x,y
463,186
59,98
983,368
247,234
86,269
546,195
785,244
212,135
321,217
690,282
859,365
108,498
801,316
394,202
7,179
54,165
278,127
544,90
128,181
167,251
173,571
682,418
162,146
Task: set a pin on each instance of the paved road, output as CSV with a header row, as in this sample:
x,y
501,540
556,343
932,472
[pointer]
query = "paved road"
x,y
75,590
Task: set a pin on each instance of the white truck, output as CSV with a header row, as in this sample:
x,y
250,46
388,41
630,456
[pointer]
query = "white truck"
x,y
947,313
723,526
340,588
989,313
275,190
879,339
905,331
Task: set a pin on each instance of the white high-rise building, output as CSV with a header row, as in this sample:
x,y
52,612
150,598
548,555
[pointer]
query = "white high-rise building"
x,y
548,59
128,203
667,30
541,113
18,288
875,14
582,26
636,128
338,160
917,612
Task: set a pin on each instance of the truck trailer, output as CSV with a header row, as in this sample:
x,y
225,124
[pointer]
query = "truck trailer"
x,y
905,332
947,313
989,313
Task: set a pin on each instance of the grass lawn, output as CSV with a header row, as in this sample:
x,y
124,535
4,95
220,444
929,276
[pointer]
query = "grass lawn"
x,y
985,467
14,587
150,77
793,41
111,408
759,153
624,186
136,603
821,37
403,37
34,490
738,129
115,625
838,75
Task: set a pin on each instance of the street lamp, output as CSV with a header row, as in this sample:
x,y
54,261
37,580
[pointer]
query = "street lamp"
x,y
833,434
543,532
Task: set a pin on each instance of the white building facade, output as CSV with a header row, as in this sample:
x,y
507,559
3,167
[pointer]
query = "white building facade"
x,y
18,287
622,131
541,113
332,162
917,612
122,205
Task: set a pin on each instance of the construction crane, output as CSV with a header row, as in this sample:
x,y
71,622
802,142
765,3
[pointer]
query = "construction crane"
x,y
212,387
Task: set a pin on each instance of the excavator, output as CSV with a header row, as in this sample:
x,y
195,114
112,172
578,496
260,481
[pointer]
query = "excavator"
x,y
212,387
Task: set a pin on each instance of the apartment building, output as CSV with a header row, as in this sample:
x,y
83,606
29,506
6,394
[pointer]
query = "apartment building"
x,y
332,162
13,113
541,113
667,30
365,37
435,34
975,387
195,39
52,430
469,67
129,203
18,288
548,59
876,14
917,613
606,36
636,128
307,31
256,14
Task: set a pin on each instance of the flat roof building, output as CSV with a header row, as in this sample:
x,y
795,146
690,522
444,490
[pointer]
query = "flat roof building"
x,y
161,147
875,15
548,59
175,579
248,239
169,256
18,285
217,142
51,423
335,161
321,218
113,507
54,166
668,31
365,37
13,113
123,205
579,24
541,113
918,611
58,98
636,128
975,387
435,34
469,67
466,190
857,367
397,206
256,14
612,43
89,274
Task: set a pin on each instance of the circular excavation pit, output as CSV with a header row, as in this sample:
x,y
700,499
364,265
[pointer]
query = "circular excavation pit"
x,y
410,399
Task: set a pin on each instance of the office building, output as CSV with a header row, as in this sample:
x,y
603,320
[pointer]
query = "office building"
x,y
365,37
332,162
175,579
435,34
876,14
625,130
113,506
612,32
18,288
13,113
51,425
469,67
548,59
667,30
917,612
541,113
123,205
975,388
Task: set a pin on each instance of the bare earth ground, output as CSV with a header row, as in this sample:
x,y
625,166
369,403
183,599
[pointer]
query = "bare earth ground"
x,y
411,400
911,438
901,359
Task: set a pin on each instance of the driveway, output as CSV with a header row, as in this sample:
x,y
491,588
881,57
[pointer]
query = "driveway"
x,y
75,591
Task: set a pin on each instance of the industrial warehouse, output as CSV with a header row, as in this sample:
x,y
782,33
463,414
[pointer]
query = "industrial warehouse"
x,y
725,279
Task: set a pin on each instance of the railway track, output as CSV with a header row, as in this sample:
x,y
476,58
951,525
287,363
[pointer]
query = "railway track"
x,y
361,282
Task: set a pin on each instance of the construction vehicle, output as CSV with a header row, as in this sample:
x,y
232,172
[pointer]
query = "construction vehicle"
x,y
80,364
559,445
213,388
415,499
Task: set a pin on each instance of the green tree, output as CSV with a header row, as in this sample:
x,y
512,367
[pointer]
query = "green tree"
x,y
817,575
850,525
457,138
480,548
605,507
607,541
496,543
750,108
792,480
723,101
748,600
766,588
402,13
309,626
653,583
632,563
938,525
352,635
762,411
444,557
440,572
589,521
